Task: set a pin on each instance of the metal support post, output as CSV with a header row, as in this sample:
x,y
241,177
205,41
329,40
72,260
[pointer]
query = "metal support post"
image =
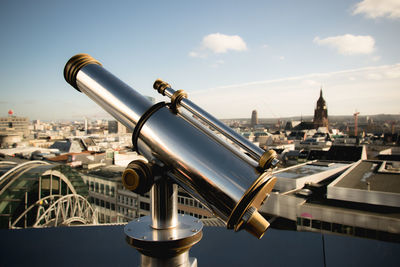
x,y
165,237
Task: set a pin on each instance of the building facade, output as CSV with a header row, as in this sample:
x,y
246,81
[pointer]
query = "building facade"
x,y
12,130
115,204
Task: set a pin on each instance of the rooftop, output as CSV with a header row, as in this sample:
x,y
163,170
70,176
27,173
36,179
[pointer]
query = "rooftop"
x,y
368,181
300,171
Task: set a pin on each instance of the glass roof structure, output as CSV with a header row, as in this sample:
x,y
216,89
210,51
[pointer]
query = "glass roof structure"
x,y
34,186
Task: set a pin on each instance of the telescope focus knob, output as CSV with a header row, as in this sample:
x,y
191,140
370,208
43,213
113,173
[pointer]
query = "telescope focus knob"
x,y
138,177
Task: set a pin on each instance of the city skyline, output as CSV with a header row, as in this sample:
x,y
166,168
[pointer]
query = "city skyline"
x,y
231,58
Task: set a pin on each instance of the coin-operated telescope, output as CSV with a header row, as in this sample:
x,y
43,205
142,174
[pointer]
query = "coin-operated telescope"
x,y
179,142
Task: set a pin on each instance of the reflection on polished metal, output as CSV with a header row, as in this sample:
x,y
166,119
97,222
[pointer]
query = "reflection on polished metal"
x,y
209,171
177,97
164,239
164,208
168,247
268,159
254,151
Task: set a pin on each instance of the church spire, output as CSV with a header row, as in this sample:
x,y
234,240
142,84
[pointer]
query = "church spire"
x,y
321,112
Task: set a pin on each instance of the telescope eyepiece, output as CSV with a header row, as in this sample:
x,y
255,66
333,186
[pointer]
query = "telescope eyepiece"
x,y
73,66
160,86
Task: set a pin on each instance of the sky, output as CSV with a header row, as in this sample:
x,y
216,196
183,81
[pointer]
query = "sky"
x,y
231,57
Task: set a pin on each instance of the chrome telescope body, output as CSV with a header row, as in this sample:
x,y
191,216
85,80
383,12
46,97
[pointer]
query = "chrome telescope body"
x,y
165,89
231,187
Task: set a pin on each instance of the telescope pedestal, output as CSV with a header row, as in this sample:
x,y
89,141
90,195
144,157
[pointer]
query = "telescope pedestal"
x,y
164,239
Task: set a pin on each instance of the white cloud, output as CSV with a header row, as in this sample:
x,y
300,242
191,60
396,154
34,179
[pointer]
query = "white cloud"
x,y
378,8
196,54
218,63
219,43
376,58
349,44
311,83
374,76
371,90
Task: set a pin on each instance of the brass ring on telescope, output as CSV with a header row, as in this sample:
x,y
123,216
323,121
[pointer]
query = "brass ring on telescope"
x,y
176,98
266,158
73,66
160,86
253,197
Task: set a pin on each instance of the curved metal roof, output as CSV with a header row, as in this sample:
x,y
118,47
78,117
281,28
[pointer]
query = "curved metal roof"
x,y
23,185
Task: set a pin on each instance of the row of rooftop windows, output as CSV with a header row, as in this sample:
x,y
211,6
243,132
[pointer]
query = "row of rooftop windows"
x,y
101,188
103,218
199,216
13,119
189,202
127,200
346,229
102,203
127,212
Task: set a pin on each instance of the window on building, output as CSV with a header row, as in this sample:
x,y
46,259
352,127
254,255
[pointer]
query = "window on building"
x,y
102,188
107,205
112,206
96,187
336,228
112,191
316,224
144,206
102,203
107,190
326,226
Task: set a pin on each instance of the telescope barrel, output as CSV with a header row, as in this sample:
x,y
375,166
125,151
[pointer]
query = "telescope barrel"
x,y
232,188
254,151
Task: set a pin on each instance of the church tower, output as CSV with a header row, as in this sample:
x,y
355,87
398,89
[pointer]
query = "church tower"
x,y
321,113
